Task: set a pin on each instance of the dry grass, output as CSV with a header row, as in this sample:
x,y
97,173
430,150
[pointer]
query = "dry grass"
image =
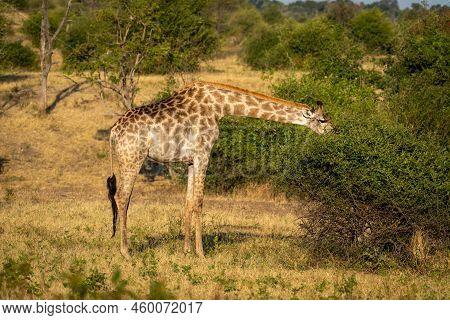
x,y
54,210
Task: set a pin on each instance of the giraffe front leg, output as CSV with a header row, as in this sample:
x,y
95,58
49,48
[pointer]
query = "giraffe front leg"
x,y
188,208
200,166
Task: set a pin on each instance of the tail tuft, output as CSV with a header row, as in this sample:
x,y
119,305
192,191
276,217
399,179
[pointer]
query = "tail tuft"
x,y
112,188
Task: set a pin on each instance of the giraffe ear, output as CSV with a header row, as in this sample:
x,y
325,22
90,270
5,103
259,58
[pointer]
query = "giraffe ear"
x,y
320,109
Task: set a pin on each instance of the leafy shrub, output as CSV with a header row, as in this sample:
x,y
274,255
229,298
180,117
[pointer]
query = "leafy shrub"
x,y
419,77
272,14
19,4
16,279
188,36
371,174
267,48
376,180
31,27
13,55
244,22
326,49
342,11
374,29
318,45
181,37
5,27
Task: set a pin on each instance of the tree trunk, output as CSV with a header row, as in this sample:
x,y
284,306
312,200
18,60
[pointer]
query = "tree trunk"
x,y
43,96
46,59
47,50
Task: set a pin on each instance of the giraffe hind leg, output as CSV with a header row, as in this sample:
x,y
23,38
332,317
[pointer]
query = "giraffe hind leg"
x,y
128,175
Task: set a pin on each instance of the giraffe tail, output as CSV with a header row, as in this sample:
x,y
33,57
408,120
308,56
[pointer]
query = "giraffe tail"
x,y
112,188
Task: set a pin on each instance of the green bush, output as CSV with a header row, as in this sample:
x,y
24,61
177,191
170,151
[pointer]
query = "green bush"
x,y
181,37
31,27
326,49
244,22
377,182
187,35
19,4
5,27
272,14
267,48
374,29
13,55
318,45
419,76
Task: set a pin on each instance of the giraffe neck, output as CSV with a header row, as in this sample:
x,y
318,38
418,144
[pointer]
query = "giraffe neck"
x,y
235,101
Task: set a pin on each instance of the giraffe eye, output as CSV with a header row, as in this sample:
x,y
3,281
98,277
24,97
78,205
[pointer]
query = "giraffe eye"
x,y
322,120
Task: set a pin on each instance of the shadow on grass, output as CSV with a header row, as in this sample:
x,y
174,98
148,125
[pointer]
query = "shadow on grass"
x,y
64,93
3,162
12,77
211,241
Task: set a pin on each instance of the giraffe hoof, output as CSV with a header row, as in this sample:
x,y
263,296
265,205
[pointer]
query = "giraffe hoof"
x,y
187,249
125,254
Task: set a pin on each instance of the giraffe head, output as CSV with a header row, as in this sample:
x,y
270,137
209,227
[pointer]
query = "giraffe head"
x,y
317,120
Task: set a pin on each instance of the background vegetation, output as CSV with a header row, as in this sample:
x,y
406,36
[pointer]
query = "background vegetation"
x,y
377,186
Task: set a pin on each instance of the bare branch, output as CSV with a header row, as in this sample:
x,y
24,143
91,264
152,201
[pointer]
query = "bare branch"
x,y
63,21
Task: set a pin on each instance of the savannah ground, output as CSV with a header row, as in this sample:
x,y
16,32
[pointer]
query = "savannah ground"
x,y
56,217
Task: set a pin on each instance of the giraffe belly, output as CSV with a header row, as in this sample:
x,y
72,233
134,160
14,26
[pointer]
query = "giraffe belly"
x,y
164,148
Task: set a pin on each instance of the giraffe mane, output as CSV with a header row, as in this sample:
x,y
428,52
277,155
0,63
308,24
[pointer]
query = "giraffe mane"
x,y
254,94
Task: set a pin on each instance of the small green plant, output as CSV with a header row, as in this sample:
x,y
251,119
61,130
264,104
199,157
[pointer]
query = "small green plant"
x,y
345,288
101,155
194,279
158,291
149,267
93,284
228,284
16,279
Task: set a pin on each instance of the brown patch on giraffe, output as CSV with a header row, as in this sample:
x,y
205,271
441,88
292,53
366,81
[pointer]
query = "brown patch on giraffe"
x,y
177,130
266,115
218,109
253,112
194,117
251,101
267,107
218,97
233,98
203,110
207,100
192,107
159,117
191,91
200,94
227,109
239,109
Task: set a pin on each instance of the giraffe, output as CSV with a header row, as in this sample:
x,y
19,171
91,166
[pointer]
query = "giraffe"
x,y
184,128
